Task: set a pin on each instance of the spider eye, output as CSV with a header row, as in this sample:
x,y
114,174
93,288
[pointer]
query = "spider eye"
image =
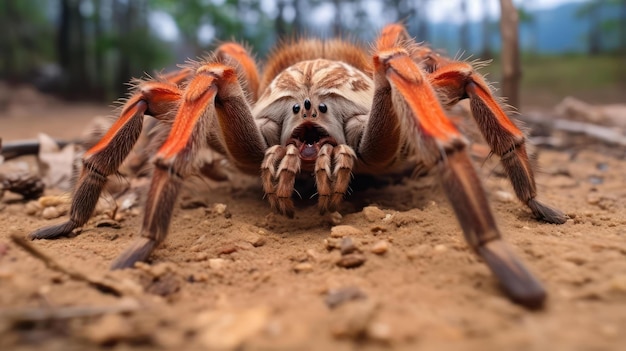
x,y
323,108
296,108
307,104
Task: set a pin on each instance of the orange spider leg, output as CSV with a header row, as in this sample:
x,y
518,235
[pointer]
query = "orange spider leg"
x,y
104,158
457,80
213,94
391,37
238,56
438,141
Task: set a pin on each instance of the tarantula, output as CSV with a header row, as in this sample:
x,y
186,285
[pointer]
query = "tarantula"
x,y
321,109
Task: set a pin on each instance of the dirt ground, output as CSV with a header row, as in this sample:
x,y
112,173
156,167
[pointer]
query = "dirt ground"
x,y
233,276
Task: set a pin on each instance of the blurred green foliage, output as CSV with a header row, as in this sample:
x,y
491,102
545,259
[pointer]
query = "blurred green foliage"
x,y
27,38
90,49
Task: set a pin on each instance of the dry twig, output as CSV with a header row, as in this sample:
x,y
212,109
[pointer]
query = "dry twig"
x,y
608,135
19,148
17,315
106,285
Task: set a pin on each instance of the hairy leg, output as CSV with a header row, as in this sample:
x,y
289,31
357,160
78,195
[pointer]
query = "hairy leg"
x,y
456,80
104,158
430,135
213,97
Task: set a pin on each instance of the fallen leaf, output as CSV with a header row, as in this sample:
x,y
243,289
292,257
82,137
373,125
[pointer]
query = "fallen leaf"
x,y
56,165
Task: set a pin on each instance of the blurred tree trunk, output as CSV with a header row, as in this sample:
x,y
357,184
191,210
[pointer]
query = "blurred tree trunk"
x,y
405,9
622,41
298,25
511,70
98,49
63,37
464,28
80,55
422,17
487,51
279,23
337,28
71,47
595,30
124,15
8,15
622,28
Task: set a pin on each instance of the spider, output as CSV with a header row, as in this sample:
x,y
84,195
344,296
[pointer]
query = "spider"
x,y
323,110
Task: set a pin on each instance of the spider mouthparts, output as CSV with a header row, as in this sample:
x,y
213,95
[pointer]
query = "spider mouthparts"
x,y
309,137
308,151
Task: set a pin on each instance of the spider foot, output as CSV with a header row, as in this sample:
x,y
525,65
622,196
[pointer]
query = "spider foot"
x,y
284,206
546,213
515,279
139,250
53,231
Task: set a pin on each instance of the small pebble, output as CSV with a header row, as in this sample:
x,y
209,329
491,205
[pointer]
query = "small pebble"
x,y
440,248
380,332
303,267
109,329
373,213
380,247
336,297
164,286
158,270
593,198
228,249
341,231
353,320
335,218
201,256
313,255
221,209
50,213
216,263
352,260
378,230
199,277
6,274
255,239
332,243
618,283
504,196
596,180
32,208
49,201
230,329
347,246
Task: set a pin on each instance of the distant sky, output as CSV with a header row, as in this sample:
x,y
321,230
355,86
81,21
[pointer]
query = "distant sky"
x,y
447,10
438,11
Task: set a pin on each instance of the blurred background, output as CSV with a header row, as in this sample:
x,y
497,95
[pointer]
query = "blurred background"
x,y
89,49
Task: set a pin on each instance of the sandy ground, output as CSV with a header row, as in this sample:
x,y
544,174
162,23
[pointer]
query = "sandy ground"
x,y
243,278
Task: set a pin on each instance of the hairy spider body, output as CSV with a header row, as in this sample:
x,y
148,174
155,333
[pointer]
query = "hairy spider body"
x,y
324,109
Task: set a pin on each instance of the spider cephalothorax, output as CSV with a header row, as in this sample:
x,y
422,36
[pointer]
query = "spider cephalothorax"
x,y
326,110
